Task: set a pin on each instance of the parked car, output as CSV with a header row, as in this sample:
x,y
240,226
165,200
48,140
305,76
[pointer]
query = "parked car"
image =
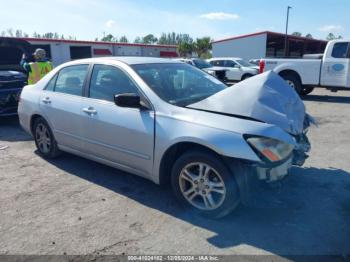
x,y
218,72
12,77
171,123
331,70
238,69
255,62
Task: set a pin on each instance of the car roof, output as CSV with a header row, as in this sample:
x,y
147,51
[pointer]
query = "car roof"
x,y
130,60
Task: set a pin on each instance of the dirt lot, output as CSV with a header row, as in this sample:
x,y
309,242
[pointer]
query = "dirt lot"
x,y
75,206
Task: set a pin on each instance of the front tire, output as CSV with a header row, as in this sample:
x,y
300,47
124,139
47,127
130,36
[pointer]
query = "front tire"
x,y
44,139
202,181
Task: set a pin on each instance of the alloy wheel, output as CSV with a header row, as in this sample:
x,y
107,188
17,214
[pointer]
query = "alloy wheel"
x,y
43,138
202,186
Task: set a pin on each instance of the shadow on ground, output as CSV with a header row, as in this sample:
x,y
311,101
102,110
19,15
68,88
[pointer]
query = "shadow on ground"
x,y
328,98
308,214
11,131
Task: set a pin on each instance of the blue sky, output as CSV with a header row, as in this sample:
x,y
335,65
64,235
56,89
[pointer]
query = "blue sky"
x,y
87,19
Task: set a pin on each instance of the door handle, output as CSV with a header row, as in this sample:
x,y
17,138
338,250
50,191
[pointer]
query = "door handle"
x,y
90,110
46,100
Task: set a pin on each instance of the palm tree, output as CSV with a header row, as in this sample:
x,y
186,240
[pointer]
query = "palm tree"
x,y
203,46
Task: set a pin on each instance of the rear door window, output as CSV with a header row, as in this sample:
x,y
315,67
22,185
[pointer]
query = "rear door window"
x,y
71,80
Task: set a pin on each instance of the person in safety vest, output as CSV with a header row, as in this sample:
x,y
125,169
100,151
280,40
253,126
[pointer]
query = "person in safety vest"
x,y
38,69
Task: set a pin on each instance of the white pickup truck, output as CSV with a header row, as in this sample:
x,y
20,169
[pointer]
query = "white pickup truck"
x,y
330,70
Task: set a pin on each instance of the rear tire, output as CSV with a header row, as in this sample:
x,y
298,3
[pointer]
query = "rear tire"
x,y
306,90
44,139
201,181
294,82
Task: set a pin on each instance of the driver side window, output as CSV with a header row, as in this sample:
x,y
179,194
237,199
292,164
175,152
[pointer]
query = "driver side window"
x,y
108,81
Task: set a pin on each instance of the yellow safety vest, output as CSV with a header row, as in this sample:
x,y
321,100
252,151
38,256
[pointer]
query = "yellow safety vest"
x,y
38,70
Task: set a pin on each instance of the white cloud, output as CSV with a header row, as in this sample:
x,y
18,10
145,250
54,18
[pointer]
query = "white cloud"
x,y
110,23
331,28
220,16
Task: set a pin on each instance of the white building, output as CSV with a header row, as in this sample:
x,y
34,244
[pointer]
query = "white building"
x,y
61,51
266,44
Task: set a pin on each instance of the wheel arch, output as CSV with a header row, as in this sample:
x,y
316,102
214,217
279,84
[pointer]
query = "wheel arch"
x,y
174,152
286,72
32,121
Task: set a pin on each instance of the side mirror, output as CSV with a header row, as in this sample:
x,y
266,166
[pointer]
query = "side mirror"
x,y
130,100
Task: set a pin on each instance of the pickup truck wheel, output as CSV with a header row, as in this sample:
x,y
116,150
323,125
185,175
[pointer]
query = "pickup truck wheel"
x,y
202,181
306,90
293,82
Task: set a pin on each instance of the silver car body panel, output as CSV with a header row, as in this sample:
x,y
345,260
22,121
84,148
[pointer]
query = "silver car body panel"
x,y
138,146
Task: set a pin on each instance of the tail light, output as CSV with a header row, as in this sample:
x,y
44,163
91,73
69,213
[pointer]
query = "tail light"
x,y
261,66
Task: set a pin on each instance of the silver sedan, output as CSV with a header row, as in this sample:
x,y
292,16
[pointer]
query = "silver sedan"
x,y
171,123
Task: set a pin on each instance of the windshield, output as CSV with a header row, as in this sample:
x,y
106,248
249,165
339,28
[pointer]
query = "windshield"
x,y
245,63
201,63
179,84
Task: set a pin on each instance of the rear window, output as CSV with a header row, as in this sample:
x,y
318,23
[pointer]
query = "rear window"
x,y
340,50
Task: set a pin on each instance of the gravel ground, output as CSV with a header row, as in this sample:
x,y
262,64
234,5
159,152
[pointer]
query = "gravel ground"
x,y
75,206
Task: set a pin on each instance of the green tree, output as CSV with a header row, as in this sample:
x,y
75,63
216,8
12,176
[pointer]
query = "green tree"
x,y
149,39
123,39
48,35
203,46
137,40
331,36
309,36
108,38
297,34
185,49
19,33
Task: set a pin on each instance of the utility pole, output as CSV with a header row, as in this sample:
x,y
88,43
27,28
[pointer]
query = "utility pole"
x,y
286,36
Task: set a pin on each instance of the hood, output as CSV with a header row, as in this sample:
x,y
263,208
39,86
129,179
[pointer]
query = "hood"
x,y
11,50
265,97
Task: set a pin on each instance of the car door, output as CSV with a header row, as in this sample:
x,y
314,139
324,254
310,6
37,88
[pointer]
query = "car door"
x,y
234,73
60,102
124,136
336,67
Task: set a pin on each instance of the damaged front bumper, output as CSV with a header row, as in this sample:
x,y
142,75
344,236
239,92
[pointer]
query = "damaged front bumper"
x,y
297,158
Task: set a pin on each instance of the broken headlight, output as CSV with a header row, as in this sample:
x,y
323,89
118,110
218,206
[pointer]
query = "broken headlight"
x,y
272,149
